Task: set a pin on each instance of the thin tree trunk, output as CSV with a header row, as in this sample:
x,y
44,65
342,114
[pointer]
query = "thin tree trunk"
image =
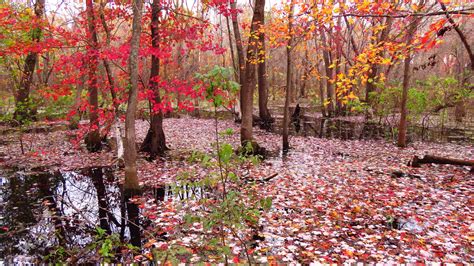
x,y
372,73
246,89
289,72
155,141
97,177
320,84
375,68
232,53
402,128
337,69
306,70
23,110
93,141
131,185
265,116
117,131
460,34
44,185
329,73
321,95
106,62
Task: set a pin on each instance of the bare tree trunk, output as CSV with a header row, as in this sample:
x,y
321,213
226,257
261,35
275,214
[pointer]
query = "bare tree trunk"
x,y
289,72
374,69
337,69
93,141
23,106
306,70
247,81
155,141
460,34
232,53
108,70
117,131
370,86
97,177
265,116
321,95
131,185
238,44
320,84
402,128
329,75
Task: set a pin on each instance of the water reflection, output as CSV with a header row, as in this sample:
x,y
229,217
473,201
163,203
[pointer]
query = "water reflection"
x,y
46,211
41,211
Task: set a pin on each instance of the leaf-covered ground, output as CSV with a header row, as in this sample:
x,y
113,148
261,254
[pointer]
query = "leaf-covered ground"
x,y
332,200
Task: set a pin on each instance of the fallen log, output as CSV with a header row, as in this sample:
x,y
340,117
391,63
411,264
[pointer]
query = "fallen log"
x,y
417,161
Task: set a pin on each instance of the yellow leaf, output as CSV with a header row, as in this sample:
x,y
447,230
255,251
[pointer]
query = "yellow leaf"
x,y
351,96
326,102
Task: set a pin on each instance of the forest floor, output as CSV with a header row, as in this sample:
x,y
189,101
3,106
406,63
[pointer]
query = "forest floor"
x,y
332,200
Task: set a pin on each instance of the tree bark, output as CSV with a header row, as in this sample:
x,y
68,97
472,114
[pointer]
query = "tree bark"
x,y
329,75
155,141
106,62
232,53
265,117
116,127
23,108
289,72
427,159
402,128
93,140
97,177
306,71
131,185
460,34
246,89
374,69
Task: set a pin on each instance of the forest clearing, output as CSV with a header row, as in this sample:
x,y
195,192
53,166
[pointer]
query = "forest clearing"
x,y
221,132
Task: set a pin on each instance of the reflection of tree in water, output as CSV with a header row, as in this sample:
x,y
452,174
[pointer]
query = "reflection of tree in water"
x,y
45,210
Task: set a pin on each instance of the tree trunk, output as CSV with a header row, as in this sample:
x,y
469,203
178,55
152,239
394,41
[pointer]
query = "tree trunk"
x,y
329,75
238,44
289,72
44,185
320,83
337,69
97,177
155,141
265,116
402,128
23,108
460,34
93,141
116,127
247,84
232,53
428,159
321,96
306,71
131,185
374,69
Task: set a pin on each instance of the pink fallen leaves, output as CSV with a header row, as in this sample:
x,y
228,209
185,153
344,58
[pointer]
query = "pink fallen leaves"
x,y
333,200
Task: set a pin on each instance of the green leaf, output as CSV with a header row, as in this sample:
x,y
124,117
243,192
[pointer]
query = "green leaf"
x,y
225,153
